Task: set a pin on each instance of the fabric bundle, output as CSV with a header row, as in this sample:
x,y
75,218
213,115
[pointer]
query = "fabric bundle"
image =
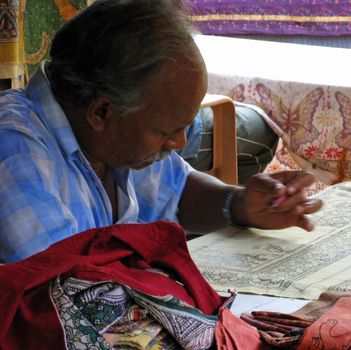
x,y
83,291
107,314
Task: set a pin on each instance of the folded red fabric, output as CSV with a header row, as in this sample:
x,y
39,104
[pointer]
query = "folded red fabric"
x,y
232,333
119,253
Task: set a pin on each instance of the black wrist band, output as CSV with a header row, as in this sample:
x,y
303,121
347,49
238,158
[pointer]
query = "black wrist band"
x,y
228,207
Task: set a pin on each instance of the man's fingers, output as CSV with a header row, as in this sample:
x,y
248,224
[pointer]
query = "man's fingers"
x,y
298,215
285,203
300,220
312,205
295,180
305,223
266,184
278,200
298,202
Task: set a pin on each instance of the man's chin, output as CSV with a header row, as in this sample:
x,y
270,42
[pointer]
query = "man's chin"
x,y
138,166
141,166
148,161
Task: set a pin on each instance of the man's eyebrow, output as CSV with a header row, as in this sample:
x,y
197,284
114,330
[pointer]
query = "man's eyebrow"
x,y
173,131
179,129
182,128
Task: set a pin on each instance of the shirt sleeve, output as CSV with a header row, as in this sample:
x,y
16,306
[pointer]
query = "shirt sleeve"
x,y
193,137
32,215
159,188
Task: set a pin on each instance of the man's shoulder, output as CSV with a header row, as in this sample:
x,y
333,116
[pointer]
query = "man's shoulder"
x,y
17,112
14,98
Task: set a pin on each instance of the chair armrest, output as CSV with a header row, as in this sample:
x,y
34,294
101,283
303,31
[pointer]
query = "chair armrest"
x,y
224,165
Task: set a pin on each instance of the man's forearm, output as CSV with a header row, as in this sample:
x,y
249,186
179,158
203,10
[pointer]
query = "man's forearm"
x,y
202,203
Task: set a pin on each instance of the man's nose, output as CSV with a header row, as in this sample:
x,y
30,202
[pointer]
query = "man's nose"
x,y
177,141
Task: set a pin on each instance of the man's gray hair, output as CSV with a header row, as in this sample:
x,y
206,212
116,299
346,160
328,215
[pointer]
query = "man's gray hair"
x,y
115,48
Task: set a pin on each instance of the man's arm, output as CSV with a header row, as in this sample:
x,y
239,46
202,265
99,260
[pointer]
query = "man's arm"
x,y
204,197
32,215
200,207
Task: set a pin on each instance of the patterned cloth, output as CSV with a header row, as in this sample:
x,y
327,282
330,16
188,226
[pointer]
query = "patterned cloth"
x,y
104,315
49,191
188,325
298,17
26,31
12,61
42,18
332,330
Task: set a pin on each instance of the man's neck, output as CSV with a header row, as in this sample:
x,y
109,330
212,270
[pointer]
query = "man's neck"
x,y
99,168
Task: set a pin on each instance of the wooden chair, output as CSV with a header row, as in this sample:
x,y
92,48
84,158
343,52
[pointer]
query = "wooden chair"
x,y
224,165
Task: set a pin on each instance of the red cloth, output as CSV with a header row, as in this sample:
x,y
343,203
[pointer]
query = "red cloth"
x,y
118,253
232,333
332,330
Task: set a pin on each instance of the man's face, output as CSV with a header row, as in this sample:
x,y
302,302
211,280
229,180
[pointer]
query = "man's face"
x,y
138,139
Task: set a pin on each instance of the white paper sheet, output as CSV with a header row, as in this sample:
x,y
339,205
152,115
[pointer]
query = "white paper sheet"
x,y
252,302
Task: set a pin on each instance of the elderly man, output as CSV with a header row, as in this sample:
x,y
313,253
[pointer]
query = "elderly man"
x,y
90,142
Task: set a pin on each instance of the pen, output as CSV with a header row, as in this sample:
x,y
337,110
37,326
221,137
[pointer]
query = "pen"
x,y
278,201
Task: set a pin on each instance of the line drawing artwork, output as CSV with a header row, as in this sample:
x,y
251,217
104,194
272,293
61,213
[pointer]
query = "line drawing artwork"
x,y
288,262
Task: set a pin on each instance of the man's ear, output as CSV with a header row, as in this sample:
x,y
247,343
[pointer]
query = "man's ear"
x,y
99,112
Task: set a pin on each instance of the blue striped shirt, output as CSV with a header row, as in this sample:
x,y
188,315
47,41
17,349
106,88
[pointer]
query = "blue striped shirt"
x,y
48,190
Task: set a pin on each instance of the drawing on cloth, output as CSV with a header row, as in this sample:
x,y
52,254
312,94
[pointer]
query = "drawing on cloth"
x,y
289,262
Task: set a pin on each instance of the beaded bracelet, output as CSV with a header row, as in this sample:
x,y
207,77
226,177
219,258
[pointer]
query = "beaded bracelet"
x,y
228,207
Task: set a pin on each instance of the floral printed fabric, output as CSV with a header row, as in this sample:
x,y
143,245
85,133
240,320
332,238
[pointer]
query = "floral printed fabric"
x,y
313,122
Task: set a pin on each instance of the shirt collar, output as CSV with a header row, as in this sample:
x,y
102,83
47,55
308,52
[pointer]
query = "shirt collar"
x,y
51,113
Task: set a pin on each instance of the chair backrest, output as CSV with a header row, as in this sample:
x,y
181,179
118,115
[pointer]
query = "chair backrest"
x,y
224,165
